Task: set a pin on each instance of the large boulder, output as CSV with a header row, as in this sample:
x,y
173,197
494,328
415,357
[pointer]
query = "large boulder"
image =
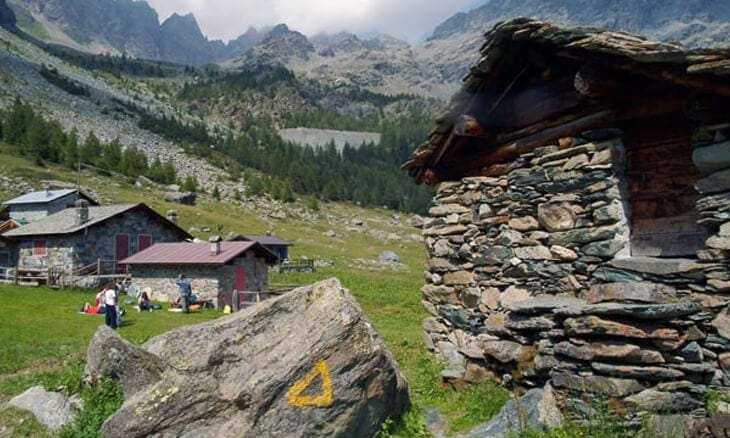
x,y
108,355
51,409
308,363
185,198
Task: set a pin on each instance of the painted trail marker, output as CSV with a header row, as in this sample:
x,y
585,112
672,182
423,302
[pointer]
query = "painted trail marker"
x,y
295,397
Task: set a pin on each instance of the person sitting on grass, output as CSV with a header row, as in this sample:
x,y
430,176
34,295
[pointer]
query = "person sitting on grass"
x,y
144,302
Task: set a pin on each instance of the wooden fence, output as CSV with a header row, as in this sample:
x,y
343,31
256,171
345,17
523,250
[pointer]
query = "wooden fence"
x,y
92,274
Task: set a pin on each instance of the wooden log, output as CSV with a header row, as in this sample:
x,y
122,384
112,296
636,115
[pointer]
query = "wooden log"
x,y
468,126
506,152
496,170
546,124
532,105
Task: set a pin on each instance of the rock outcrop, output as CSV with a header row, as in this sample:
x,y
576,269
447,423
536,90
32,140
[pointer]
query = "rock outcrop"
x,y
307,363
51,409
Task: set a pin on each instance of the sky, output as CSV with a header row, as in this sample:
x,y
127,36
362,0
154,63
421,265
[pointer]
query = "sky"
x,y
410,20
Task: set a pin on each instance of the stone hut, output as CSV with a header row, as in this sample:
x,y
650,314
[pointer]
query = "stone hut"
x,y
85,235
38,205
216,269
580,232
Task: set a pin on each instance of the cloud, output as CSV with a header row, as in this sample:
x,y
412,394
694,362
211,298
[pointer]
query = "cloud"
x,y
406,19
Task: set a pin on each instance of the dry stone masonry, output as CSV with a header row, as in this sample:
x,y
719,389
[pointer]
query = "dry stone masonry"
x,y
529,277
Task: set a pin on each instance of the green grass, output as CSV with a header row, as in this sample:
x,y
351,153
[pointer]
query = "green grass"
x,y
43,340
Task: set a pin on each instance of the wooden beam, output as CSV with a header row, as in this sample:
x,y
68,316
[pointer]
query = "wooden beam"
x,y
502,153
592,82
708,109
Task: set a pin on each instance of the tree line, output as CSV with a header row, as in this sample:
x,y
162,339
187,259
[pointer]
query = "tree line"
x,y
27,133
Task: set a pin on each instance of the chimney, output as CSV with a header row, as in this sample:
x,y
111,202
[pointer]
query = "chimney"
x,y
47,189
82,211
172,216
215,245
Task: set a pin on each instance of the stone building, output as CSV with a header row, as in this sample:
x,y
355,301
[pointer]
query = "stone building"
x,y
277,245
37,205
216,268
76,237
580,233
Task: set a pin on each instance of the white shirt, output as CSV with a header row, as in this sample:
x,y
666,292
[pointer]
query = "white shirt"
x,y
110,297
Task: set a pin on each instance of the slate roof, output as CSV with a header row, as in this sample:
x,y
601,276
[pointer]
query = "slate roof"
x,y
42,197
704,70
266,240
186,253
64,222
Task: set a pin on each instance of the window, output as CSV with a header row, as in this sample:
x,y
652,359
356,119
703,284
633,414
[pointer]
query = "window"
x,y
39,247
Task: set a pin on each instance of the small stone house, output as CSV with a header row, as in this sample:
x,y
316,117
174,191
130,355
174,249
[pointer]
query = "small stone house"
x,y
277,245
215,269
37,205
81,236
580,231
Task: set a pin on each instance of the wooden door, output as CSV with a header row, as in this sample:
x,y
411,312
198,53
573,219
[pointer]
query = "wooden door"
x,y
240,284
121,247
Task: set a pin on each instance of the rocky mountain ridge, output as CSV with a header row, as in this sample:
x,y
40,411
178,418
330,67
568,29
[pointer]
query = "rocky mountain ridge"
x,y
383,64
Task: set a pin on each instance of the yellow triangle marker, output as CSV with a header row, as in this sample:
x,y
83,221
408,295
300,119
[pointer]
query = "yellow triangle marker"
x,y
295,397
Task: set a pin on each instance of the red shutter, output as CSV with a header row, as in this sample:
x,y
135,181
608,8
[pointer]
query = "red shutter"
x,y
144,241
39,247
121,249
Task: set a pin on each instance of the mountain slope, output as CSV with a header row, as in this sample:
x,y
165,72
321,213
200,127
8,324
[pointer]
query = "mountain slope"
x,y
693,22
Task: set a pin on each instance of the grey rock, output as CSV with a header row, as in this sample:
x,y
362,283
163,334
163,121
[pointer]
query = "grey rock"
x,y
692,352
563,253
110,356
533,253
527,322
537,409
651,373
503,351
614,275
185,198
605,248
657,266
608,214
593,325
51,409
642,311
719,242
608,386
544,303
645,292
513,295
714,183
659,401
713,158
667,426
389,257
267,368
581,236
618,351
722,324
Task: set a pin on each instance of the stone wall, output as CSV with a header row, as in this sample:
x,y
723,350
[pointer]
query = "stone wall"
x,y
530,277
207,281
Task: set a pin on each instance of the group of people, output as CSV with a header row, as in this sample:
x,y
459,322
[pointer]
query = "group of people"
x,y
106,301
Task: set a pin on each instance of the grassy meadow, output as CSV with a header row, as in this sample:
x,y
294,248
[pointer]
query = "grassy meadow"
x,y
43,339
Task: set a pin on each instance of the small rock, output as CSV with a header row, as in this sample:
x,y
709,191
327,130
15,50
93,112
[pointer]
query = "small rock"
x,y
51,409
651,373
658,401
512,295
556,216
609,386
533,253
645,292
527,223
537,409
563,253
